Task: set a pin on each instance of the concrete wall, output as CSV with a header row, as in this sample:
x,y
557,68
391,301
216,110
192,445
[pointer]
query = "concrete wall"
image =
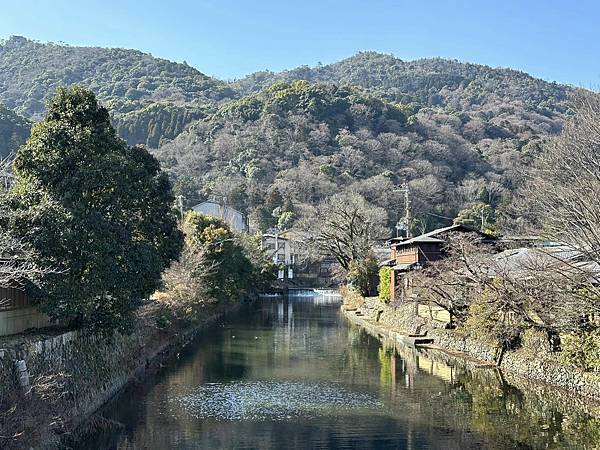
x,y
433,313
15,321
235,219
85,368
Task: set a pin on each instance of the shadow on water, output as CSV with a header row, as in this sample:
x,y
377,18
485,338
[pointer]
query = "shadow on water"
x,y
291,373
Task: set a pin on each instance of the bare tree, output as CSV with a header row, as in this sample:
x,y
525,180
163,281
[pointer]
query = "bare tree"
x,y
565,187
550,288
455,281
346,227
554,288
6,171
186,282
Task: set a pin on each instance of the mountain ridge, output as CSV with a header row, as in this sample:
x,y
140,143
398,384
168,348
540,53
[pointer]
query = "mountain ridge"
x,y
456,132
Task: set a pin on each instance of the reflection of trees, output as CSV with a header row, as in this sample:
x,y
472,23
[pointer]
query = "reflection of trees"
x,y
431,399
480,400
385,366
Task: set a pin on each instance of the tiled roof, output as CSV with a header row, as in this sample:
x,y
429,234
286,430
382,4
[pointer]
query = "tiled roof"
x,y
429,237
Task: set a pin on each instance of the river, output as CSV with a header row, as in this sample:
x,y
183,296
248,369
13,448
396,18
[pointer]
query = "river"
x,y
294,374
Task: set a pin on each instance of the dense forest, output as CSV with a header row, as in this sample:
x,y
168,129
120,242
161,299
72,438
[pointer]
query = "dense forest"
x,y
428,82
276,144
14,130
295,144
149,98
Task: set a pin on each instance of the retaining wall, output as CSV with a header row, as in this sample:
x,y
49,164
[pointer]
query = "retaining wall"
x,y
56,381
533,361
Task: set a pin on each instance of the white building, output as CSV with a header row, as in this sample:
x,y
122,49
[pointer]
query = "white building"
x,y
286,252
236,220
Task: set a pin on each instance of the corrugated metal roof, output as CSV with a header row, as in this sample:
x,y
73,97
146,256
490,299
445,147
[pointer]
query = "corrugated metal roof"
x,y
429,237
387,262
522,260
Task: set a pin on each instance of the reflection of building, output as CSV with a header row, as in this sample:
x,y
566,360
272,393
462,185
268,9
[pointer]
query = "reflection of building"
x,y
236,220
16,312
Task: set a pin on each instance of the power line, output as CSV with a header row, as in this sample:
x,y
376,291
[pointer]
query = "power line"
x,y
441,217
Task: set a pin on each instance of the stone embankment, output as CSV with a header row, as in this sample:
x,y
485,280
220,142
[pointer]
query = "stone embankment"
x,y
51,384
534,360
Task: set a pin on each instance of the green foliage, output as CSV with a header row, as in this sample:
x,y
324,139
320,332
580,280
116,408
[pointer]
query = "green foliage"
x,y
150,99
338,107
479,216
432,82
239,265
582,350
96,210
361,275
285,220
442,126
309,140
385,277
157,122
14,131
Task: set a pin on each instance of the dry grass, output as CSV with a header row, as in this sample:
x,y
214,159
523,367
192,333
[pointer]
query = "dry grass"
x,y
351,299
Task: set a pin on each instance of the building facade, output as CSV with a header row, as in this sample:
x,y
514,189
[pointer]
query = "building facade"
x,y
414,253
285,252
295,266
236,220
17,314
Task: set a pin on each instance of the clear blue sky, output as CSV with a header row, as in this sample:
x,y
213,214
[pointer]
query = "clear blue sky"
x,y
555,40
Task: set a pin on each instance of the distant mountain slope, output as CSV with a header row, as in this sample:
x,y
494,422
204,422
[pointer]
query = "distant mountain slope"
x,y
127,81
504,115
427,82
292,145
458,133
14,131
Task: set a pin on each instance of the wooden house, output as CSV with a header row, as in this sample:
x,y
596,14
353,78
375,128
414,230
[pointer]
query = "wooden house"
x,y
415,253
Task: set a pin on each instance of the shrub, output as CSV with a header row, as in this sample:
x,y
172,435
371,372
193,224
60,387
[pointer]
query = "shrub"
x,y
361,273
351,299
385,278
582,350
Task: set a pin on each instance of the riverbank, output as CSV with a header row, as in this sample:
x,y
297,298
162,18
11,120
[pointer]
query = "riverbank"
x,y
53,383
533,361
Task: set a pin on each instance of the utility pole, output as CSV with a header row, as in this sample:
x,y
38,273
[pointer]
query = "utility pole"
x,y
179,203
482,219
407,216
406,222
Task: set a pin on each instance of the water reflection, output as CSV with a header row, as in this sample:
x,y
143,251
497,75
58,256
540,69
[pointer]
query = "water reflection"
x,y
292,373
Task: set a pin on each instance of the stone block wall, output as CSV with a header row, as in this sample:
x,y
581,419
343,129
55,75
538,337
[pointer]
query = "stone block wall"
x,y
533,361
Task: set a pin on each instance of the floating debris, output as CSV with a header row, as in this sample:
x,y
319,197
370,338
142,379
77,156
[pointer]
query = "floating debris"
x,y
269,400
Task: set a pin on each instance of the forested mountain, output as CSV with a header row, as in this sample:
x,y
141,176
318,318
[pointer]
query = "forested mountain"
x,y
458,133
293,144
14,131
469,130
150,98
426,82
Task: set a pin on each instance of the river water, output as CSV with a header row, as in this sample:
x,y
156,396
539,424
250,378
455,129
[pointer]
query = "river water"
x,y
294,374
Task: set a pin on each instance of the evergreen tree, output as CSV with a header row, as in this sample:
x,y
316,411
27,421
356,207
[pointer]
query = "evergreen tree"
x,y
95,209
